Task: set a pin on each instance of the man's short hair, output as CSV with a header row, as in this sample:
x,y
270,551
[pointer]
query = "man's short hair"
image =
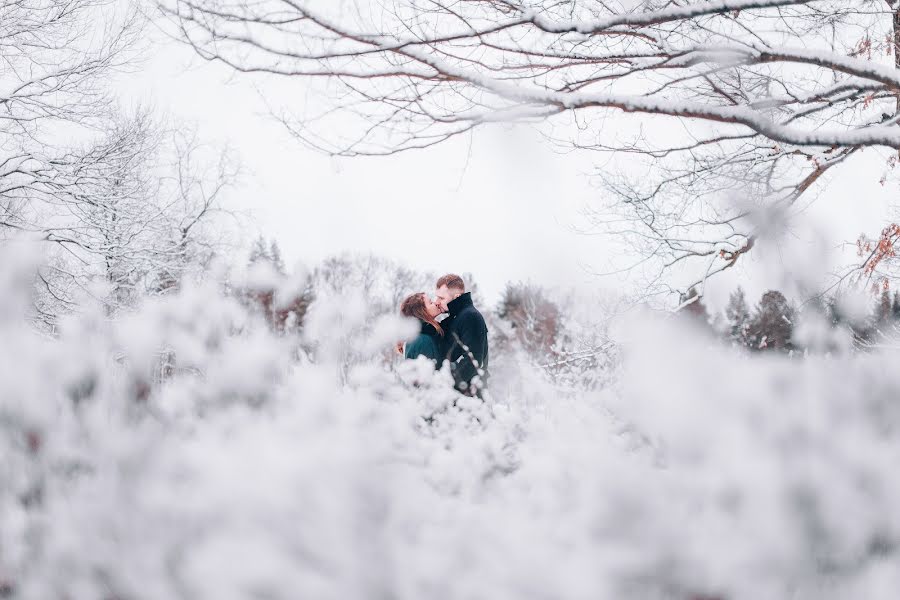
x,y
451,281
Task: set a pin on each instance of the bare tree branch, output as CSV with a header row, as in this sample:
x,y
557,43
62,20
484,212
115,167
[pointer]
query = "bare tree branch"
x,y
770,95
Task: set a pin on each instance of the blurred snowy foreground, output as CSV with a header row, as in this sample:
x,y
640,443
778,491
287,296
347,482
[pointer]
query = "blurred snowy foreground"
x,y
250,467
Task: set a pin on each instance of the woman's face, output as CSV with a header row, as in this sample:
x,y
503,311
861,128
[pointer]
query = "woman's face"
x,y
431,307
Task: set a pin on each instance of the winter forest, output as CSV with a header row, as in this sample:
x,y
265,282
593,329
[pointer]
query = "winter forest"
x,y
676,220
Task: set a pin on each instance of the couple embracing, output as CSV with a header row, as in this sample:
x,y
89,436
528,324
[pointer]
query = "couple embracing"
x,y
460,339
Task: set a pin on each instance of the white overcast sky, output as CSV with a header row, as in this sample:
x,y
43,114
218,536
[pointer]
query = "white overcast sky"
x,y
519,201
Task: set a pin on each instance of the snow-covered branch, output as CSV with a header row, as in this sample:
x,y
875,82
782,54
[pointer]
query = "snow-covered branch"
x,y
772,94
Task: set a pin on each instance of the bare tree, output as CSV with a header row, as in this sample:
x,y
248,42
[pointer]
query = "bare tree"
x,y
137,214
766,96
55,57
192,201
383,282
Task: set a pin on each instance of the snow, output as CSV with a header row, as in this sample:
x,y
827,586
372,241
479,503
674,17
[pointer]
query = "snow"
x,y
759,122
679,49
653,17
697,472
184,446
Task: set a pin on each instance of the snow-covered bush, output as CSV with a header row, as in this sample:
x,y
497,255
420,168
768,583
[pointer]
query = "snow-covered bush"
x,y
247,474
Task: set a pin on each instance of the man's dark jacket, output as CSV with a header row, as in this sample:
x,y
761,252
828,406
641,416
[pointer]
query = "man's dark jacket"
x,y
465,343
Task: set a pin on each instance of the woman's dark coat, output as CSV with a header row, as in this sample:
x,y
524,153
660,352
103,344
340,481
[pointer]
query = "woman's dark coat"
x,y
427,344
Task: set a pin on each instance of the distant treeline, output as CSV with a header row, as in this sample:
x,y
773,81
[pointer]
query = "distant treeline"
x,y
543,326
547,327
778,325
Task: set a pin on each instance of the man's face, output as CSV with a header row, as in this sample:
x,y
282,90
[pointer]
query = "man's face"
x,y
444,295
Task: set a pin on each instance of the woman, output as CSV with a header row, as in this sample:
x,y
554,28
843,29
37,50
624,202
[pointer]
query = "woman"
x,y
427,342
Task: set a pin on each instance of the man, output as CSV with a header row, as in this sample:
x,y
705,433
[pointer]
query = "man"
x,y
465,343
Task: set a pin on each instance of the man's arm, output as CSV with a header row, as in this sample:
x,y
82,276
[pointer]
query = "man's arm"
x,y
471,338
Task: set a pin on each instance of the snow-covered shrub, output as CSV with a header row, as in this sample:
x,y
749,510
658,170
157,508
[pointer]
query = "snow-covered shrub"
x,y
247,474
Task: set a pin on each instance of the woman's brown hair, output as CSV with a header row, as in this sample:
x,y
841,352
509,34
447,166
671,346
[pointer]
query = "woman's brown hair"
x,y
414,306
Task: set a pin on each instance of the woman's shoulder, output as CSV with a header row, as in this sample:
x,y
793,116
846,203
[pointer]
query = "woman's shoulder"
x,y
428,329
423,345
427,338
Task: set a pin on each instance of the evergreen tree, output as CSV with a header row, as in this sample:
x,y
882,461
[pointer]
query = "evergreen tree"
x,y
737,316
269,252
888,314
844,316
275,257
532,317
834,312
259,251
288,314
884,310
880,323
773,324
694,307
